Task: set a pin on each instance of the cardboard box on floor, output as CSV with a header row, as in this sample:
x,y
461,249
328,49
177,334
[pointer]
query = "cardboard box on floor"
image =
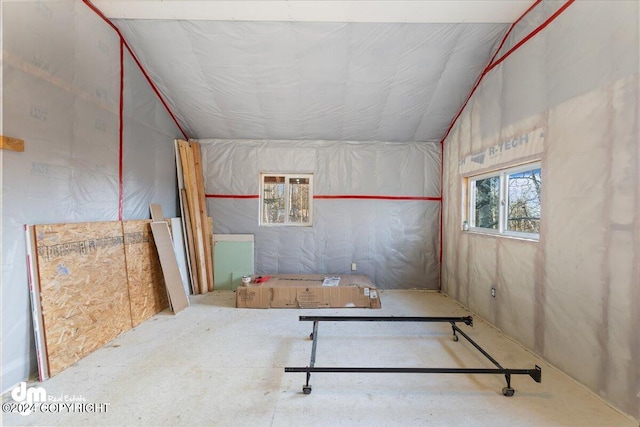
x,y
307,291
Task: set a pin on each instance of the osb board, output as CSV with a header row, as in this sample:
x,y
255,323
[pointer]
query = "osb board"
x,y
147,292
83,288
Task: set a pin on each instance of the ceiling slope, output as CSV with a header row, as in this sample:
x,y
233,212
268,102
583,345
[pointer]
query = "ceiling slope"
x,y
309,80
401,11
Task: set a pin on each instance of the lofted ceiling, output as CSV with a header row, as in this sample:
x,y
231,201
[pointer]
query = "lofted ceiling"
x,y
309,70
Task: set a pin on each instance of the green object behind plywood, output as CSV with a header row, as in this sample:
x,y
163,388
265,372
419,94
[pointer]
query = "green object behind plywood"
x,y
233,258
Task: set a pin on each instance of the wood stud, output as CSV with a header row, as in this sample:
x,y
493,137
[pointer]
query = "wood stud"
x,y
11,144
195,216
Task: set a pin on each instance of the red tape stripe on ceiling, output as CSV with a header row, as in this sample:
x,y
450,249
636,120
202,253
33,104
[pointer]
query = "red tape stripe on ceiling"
x,y
123,44
493,63
532,34
135,58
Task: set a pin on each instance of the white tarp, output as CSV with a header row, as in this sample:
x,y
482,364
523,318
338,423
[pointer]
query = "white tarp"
x,y
313,81
394,241
573,297
61,95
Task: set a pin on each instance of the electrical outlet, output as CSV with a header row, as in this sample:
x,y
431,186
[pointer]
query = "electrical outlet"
x,y
493,292
353,266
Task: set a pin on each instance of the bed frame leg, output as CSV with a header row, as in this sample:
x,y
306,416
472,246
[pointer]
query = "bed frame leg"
x,y
455,336
306,389
508,391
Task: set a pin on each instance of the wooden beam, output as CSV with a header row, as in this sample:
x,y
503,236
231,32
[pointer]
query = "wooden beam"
x,y
202,205
195,284
12,144
188,169
183,147
185,221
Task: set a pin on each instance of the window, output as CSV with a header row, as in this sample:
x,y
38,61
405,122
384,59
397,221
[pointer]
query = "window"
x,y
506,202
286,199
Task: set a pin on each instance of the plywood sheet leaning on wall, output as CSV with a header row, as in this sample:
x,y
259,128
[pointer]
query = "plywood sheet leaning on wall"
x,y
175,226
83,288
156,212
170,270
147,291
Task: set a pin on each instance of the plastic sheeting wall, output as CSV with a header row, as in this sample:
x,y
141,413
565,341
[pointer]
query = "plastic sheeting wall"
x,y
61,94
149,158
574,296
394,242
313,80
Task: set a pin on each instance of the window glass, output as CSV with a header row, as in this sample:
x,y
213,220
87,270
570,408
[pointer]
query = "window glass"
x,y
523,207
273,200
299,196
286,199
506,202
487,202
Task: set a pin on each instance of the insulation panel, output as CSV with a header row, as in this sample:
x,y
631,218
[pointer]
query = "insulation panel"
x,y
572,294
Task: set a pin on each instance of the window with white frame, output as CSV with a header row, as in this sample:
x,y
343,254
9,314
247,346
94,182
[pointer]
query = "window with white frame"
x,y
286,199
506,201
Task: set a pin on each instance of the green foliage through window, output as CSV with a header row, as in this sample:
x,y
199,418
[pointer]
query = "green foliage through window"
x,y
523,201
487,202
286,199
507,201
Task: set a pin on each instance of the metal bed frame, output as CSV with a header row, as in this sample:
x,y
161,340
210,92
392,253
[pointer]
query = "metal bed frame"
x,y
535,373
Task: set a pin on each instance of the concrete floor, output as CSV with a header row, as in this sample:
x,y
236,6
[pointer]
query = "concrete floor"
x,y
217,365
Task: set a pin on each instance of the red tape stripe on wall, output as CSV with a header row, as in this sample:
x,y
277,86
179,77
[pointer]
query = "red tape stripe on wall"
x,y
490,66
493,63
121,138
232,196
135,58
329,196
366,197
123,44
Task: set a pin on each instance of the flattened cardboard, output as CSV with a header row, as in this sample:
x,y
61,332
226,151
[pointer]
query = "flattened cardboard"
x,y
306,291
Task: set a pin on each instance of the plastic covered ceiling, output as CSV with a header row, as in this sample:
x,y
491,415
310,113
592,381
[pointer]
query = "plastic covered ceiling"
x,y
356,81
